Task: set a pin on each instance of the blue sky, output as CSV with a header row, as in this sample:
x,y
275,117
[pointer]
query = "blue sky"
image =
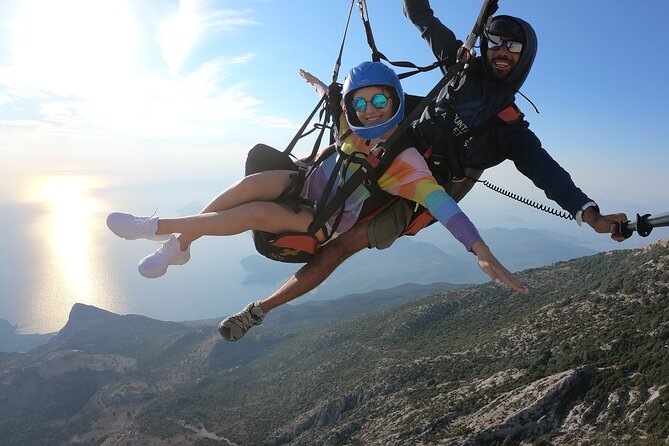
x,y
182,89
121,105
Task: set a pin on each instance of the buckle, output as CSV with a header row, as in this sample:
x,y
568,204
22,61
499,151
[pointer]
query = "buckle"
x,y
378,150
302,166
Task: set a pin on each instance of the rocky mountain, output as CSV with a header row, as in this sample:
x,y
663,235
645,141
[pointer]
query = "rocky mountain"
x,y
582,360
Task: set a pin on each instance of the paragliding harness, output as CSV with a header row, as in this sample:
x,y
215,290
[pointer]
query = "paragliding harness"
x,y
291,247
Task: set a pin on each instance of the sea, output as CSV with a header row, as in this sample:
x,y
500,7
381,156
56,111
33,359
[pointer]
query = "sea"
x,y
58,251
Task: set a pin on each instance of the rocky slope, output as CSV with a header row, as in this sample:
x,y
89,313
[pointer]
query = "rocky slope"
x,y
582,360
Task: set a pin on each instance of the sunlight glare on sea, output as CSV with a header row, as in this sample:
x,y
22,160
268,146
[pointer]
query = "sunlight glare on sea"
x,y
67,266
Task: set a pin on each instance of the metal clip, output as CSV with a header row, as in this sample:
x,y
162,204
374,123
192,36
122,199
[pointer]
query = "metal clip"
x,y
378,148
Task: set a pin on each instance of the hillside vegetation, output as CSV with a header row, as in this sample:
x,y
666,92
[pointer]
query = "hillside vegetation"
x,y
582,360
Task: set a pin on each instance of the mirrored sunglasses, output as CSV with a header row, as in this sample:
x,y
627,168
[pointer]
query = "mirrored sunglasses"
x,y
379,101
496,42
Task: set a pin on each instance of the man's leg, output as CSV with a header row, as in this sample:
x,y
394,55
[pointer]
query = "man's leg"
x,y
319,268
379,233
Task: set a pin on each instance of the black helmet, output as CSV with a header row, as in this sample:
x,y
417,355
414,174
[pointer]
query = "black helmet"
x,y
506,26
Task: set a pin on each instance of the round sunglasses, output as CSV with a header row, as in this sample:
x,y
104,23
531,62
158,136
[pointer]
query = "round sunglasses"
x,y
496,42
378,101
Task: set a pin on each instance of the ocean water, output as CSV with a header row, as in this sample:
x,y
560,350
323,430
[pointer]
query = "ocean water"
x,y
58,251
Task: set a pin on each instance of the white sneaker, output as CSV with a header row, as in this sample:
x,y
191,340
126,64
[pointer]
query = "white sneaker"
x,y
130,227
155,265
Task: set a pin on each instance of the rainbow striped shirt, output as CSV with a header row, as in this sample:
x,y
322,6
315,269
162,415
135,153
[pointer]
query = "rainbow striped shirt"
x,y
408,176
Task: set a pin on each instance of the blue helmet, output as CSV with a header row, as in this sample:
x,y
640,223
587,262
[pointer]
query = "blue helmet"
x,y
365,75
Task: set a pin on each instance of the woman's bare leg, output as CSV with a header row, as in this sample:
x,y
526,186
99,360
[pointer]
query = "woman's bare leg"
x,y
262,186
259,215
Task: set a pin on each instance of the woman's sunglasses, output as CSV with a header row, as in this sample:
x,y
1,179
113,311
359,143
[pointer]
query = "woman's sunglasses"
x,y
496,42
378,101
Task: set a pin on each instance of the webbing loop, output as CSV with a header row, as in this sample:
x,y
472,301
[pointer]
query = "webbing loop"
x,y
377,55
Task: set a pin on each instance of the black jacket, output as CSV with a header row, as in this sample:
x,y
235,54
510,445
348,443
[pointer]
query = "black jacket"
x,y
478,102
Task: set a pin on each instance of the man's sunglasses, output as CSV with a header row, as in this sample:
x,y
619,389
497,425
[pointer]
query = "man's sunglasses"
x,y
496,42
378,101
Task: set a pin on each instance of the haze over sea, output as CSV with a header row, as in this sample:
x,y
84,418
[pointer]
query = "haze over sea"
x,y
65,254
114,105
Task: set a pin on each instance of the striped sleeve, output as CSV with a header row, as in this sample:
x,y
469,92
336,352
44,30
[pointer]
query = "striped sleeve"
x,y
409,177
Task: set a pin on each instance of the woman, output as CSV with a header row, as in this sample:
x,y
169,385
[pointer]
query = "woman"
x,y
373,107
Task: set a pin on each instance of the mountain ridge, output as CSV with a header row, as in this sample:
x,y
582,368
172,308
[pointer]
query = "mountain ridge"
x,y
582,360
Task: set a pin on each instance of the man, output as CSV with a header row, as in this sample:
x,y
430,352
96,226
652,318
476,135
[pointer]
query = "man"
x,y
469,127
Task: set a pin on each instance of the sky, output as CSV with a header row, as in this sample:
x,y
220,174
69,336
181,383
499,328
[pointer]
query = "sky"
x,y
151,106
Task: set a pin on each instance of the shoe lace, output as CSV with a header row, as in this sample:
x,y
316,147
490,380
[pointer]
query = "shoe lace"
x,y
141,223
247,319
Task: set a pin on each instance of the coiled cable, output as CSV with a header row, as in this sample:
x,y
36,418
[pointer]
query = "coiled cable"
x,y
526,201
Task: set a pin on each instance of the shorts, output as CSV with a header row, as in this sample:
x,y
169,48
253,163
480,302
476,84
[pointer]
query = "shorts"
x,y
385,228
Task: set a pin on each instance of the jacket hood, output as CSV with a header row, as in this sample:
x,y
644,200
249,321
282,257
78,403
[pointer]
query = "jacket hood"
x,y
522,68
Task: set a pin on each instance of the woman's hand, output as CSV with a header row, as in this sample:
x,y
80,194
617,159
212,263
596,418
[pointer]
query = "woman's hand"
x,y
313,80
493,268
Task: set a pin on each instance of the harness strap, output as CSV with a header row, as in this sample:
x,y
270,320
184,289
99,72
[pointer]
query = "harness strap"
x,y
300,132
378,55
324,213
331,100
337,66
380,157
324,201
452,147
